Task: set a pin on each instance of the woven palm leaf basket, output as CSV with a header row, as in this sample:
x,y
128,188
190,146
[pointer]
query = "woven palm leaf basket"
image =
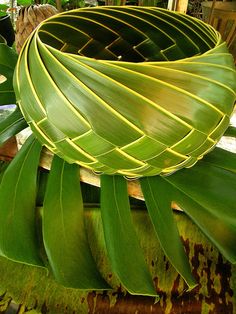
x,y
136,91
125,93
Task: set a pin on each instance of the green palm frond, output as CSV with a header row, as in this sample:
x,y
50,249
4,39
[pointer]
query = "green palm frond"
x,y
123,89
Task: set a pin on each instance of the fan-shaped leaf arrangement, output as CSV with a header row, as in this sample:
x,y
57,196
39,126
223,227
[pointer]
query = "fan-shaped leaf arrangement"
x,y
124,91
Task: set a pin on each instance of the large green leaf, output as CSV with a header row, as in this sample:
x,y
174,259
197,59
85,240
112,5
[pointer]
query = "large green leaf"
x,y
122,245
13,124
64,232
207,194
8,59
158,197
18,234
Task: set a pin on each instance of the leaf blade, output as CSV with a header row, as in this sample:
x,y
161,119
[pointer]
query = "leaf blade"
x,y
123,248
207,195
64,233
157,194
221,158
18,236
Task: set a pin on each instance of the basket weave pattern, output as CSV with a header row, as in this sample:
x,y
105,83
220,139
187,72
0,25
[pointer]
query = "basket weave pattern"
x,y
126,89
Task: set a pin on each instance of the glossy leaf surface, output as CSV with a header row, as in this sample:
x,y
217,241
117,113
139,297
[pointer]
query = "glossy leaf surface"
x,y
222,159
18,236
123,249
158,198
206,193
64,233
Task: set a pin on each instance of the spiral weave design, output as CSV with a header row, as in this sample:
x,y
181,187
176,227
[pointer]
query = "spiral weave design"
x,y
137,91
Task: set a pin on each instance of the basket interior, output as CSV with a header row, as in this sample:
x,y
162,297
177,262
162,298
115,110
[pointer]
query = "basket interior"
x,y
132,34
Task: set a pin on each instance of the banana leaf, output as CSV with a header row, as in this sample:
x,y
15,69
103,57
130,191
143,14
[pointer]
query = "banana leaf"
x,y
222,158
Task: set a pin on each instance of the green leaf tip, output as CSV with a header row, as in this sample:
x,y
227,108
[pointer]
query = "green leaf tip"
x,y
158,198
206,193
123,248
